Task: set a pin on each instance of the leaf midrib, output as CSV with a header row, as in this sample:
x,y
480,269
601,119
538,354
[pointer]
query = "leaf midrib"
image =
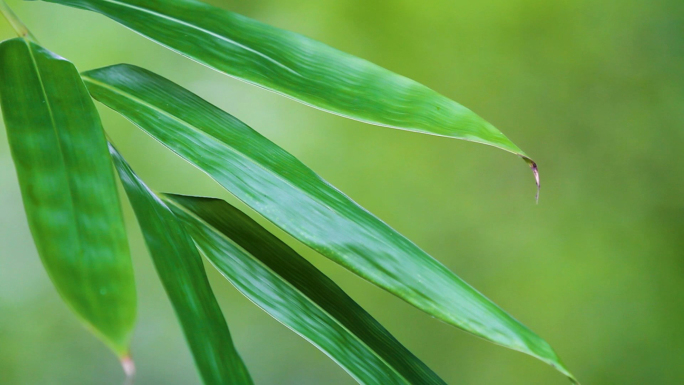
x,y
241,154
208,32
70,182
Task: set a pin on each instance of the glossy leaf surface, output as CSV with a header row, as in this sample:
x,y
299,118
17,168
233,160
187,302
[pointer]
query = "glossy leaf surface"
x,y
68,188
295,293
298,67
285,191
181,271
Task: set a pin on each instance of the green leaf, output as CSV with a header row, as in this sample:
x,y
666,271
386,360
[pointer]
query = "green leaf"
x,y
68,188
298,67
295,293
285,191
180,268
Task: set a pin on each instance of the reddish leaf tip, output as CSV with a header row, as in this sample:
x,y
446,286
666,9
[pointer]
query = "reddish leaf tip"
x,y
128,367
535,171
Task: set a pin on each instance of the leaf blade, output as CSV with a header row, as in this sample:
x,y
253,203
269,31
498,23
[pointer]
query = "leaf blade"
x,y
181,271
293,197
294,292
68,188
298,67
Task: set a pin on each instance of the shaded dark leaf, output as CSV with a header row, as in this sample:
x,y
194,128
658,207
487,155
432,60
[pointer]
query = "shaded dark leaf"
x,y
295,293
181,271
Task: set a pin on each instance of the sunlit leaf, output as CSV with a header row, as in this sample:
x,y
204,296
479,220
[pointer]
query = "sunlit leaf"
x,y
182,273
68,188
293,197
298,67
295,293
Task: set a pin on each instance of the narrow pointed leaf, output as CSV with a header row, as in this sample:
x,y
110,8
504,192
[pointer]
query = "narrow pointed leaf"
x,y
285,191
298,67
182,273
68,188
295,293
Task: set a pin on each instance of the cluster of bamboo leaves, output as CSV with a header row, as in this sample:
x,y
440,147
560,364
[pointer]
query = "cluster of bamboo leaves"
x,y
64,165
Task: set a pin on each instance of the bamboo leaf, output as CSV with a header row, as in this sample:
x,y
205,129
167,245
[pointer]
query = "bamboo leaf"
x,y
181,271
293,197
295,293
68,188
298,67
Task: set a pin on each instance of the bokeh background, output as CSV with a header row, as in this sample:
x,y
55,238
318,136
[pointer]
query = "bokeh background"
x,y
593,90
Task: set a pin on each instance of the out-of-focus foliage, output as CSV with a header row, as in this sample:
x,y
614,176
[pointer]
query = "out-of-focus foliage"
x,y
594,91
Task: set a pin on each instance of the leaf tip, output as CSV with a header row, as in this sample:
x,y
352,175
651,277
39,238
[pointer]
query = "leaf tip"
x,y
535,171
561,368
128,367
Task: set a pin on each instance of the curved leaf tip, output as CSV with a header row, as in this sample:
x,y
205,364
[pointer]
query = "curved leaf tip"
x,y
535,171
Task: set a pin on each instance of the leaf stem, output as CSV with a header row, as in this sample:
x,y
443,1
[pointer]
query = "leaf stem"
x,y
16,23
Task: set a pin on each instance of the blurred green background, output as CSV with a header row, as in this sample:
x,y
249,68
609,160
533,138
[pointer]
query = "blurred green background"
x,y
593,90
